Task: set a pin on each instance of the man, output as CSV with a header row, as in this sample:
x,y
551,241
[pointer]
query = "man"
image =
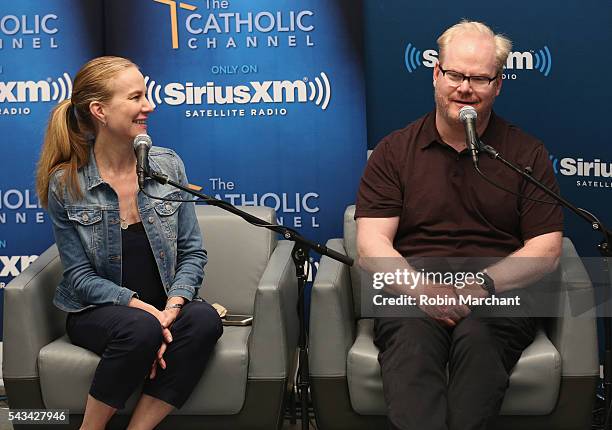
x,y
420,196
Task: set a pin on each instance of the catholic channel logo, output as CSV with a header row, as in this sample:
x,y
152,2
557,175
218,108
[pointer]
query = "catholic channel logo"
x,y
29,31
49,90
317,91
219,27
539,60
173,5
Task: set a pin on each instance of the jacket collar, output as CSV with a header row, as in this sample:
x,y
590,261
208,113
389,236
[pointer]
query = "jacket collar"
x,y
92,174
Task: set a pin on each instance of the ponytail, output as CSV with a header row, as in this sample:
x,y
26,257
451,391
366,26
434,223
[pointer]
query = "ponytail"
x,y
65,148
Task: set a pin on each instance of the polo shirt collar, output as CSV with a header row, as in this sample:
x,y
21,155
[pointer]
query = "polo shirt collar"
x,y
430,133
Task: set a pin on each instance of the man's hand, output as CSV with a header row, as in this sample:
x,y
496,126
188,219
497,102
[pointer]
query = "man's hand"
x,y
447,314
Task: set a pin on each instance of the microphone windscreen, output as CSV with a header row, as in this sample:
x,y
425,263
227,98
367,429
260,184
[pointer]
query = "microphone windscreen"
x,y
467,112
142,139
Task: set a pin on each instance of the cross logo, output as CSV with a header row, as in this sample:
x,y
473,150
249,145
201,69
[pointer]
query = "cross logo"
x,y
174,17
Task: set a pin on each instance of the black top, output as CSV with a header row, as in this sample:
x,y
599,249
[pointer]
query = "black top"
x,y
139,271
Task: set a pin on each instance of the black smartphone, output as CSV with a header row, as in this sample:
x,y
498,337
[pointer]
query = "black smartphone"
x,y
240,320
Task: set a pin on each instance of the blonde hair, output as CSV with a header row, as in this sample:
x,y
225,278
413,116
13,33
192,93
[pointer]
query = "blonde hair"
x,y
503,44
66,143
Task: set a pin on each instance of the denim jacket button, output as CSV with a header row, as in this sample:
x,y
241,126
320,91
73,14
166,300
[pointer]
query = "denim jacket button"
x,y
168,206
151,220
162,254
85,217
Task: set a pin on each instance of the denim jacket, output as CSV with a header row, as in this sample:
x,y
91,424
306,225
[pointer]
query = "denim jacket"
x,y
88,235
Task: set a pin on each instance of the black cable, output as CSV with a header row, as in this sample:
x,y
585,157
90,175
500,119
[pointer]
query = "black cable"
x,y
607,420
510,191
594,218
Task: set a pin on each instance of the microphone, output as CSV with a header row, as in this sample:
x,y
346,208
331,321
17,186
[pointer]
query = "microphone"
x,y
142,144
467,115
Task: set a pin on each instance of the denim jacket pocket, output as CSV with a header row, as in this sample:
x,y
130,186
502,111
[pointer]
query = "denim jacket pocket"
x,y
168,214
88,224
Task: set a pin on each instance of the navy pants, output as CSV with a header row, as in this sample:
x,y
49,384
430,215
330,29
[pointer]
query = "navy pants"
x,y
127,339
480,354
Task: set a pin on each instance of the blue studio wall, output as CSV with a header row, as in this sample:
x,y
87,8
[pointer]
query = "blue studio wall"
x,y
42,45
555,83
264,101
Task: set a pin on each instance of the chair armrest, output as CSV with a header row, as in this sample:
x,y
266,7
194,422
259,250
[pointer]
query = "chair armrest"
x,y
275,324
575,337
31,321
332,317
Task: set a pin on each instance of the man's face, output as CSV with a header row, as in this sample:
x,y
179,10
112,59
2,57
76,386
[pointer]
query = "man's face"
x,y
471,54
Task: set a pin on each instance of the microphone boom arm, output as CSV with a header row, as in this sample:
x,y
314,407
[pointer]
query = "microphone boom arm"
x,y
287,233
604,247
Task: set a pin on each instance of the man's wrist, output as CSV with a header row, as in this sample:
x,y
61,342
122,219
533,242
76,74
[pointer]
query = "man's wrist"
x,y
487,284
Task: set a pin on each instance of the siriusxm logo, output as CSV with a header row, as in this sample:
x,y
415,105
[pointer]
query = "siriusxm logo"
x,y
578,167
300,91
36,91
528,60
14,265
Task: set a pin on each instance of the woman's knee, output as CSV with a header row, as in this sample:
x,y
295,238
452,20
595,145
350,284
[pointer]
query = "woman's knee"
x,y
143,331
203,320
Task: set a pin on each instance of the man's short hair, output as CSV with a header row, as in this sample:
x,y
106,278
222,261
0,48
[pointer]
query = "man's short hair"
x,y
503,44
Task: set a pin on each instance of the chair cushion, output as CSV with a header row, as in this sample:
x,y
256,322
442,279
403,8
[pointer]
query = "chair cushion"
x,y
66,372
534,382
238,255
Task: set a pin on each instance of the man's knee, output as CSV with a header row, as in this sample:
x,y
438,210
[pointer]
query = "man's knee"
x,y
416,343
472,335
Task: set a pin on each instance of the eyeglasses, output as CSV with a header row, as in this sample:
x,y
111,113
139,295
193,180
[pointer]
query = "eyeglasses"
x,y
456,79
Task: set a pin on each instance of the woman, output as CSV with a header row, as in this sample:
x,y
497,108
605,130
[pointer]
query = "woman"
x,y
132,264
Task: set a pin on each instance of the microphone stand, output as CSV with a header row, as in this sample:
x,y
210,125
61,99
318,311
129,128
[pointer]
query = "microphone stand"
x,y
300,256
604,248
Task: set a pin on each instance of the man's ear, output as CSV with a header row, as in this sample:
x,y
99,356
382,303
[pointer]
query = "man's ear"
x,y
499,85
436,73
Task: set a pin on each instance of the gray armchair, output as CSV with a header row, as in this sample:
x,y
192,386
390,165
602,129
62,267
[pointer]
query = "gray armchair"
x,y
244,385
551,387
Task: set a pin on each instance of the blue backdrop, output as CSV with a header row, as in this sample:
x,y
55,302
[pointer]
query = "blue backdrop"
x,y
264,102
42,45
555,85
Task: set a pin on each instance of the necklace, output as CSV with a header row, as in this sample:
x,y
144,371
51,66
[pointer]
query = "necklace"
x,y
124,224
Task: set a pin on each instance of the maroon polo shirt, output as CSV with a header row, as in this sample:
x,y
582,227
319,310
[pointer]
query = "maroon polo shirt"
x,y
445,207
